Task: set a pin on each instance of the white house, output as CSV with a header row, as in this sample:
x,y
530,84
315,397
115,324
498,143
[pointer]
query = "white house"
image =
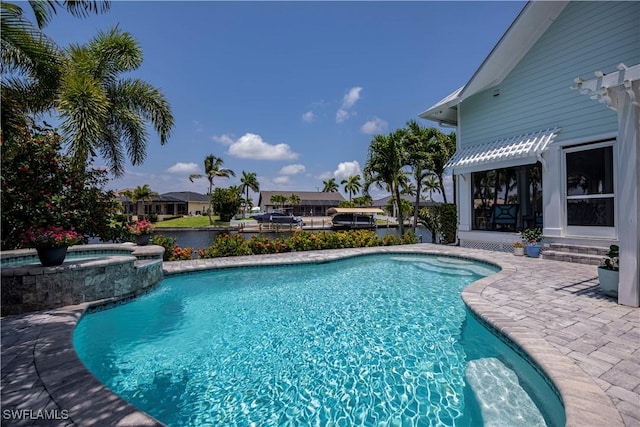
x,y
547,133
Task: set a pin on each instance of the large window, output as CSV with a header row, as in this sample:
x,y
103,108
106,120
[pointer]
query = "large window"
x,y
507,199
590,194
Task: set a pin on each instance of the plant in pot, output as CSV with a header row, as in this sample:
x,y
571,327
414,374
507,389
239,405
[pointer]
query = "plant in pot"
x,y
518,248
532,238
141,231
51,243
608,274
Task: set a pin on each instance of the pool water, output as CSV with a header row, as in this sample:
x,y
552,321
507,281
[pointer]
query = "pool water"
x,y
373,340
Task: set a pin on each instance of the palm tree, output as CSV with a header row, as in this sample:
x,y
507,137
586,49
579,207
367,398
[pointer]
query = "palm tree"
x,y
102,112
99,111
212,168
430,184
384,166
279,199
32,60
294,200
352,185
443,149
330,186
418,145
249,181
143,193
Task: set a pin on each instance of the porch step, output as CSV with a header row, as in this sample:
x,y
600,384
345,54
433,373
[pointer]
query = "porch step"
x,y
579,254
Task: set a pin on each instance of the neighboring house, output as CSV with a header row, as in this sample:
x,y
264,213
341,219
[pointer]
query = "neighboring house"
x,y
312,203
168,205
547,129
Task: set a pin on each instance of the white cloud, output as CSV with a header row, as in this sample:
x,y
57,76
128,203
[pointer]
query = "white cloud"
x,y
374,126
308,116
225,139
349,100
341,115
325,175
346,170
251,146
281,180
184,168
292,170
351,97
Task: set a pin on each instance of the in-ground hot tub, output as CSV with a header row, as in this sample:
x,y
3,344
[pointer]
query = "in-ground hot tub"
x,y
89,273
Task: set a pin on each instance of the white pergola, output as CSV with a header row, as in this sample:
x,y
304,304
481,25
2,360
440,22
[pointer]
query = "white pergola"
x,y
620,91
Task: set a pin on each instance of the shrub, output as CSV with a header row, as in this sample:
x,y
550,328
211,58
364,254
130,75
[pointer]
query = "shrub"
x,y
172,252
226,245
63,195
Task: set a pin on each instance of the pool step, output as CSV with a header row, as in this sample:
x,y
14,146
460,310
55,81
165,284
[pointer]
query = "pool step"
x,y
502,401
579,254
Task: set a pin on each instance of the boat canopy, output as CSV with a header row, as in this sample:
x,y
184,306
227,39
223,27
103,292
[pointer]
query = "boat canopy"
x,y
333,211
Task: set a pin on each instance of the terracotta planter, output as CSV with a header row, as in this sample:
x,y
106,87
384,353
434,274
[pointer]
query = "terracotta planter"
x,y
50,257
608,281
143,239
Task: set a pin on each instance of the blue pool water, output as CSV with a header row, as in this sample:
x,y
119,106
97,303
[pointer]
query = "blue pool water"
x,y
373,340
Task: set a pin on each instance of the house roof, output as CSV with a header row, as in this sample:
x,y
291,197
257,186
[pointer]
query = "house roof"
x,y
187,196
534,19
306,197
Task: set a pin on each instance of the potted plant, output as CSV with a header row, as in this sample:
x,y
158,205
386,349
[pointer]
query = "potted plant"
x,y
518,248
608,274
532,238
141,231
51,243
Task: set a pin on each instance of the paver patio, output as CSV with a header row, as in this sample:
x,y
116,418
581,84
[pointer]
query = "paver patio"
x,y
587,343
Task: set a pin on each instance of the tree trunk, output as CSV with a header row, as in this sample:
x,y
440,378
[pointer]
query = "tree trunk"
x,y
399,204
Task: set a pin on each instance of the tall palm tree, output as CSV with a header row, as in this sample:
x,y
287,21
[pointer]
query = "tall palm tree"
x,y
212,169
443,149
384,166
418,145
352,185
330,186
249,181
143,193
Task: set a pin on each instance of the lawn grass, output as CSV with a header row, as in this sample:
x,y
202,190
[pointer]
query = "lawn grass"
x,y
190,221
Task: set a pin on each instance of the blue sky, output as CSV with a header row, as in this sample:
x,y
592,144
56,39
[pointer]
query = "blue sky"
x,y
293,91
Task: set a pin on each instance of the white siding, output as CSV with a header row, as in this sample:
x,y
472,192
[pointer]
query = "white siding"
x,y
587,36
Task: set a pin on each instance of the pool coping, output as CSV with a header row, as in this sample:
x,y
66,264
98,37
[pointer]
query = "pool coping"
x,y
66,384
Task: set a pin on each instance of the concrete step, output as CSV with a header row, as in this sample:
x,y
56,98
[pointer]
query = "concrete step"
x,y
590,259
579,249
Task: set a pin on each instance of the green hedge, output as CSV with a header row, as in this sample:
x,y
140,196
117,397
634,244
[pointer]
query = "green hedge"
x,y
235,245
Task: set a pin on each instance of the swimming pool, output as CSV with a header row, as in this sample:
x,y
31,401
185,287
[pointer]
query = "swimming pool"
x,y
369,340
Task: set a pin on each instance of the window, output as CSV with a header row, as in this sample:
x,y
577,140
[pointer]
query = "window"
x,y
590,194
507,199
